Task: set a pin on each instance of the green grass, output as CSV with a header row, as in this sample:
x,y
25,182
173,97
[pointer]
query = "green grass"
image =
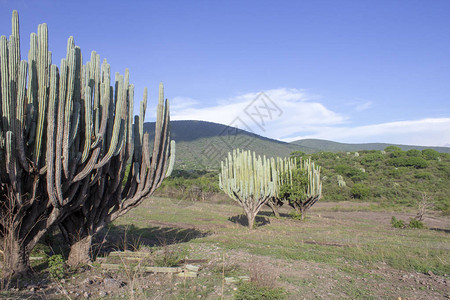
x,y
349,245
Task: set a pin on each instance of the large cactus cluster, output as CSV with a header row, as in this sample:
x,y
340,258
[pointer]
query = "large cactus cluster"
x,y
248,179
66,136
254,181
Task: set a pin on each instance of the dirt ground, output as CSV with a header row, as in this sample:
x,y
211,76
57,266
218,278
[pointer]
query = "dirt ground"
x,y
301,279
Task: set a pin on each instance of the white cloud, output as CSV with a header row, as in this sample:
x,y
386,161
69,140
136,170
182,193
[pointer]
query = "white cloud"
x,y
426,132
292,114
282,112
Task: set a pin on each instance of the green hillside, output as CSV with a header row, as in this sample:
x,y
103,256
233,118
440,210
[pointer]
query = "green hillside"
x,y
390,178
202,145
316,145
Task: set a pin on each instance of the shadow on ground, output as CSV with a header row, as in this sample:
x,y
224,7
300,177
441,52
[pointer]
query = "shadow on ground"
x,y
132,238
271,214
441,230
242,220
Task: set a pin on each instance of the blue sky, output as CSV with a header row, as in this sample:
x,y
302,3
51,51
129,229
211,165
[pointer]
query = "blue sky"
x,y
348,71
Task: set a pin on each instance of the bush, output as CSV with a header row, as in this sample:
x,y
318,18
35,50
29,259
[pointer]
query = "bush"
x,y
354,173
416,162
430,154
56,267
415,224
360,191
392,149
253,291
359,176
397,223
399,153
372,159
414,153
295,215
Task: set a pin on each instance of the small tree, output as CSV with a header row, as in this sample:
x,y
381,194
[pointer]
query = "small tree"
x,y
299,184
249,180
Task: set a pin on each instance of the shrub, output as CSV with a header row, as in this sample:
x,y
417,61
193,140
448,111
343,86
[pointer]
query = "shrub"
x,y
416,162
392,149
359,176
253,291
399,153
415,224
414,153
430,154
170,256
397,223
372,159
56,267
295,215
354,173
360,191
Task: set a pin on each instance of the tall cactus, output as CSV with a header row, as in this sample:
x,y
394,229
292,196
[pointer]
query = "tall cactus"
x,y
65,139
299,183
249,180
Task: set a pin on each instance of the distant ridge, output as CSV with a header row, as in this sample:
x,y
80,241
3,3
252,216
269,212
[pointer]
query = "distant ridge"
x,y
330,146
202,145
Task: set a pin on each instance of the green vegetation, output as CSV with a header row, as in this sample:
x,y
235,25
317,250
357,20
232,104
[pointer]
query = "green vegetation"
x,y
351,247
253,291
393,178
413,223
299,184
56,268
367,177
397,223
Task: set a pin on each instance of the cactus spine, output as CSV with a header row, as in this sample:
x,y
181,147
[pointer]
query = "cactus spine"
x,y
249,180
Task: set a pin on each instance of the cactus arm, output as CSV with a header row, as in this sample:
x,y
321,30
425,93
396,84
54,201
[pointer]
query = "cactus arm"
x,y
42,91
15,33
116,127
50,159
130,141
4,82
172,158
94,157
87,125
60,128
21,153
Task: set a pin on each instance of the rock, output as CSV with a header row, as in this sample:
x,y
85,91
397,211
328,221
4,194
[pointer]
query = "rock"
x,y
86,295
87,281
111,283
102,294
430,273
32,288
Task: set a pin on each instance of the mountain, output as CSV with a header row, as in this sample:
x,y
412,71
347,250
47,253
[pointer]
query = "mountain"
x,y
329,146
202,145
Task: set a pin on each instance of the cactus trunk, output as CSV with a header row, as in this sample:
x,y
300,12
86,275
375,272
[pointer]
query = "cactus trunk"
x,y
65,138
